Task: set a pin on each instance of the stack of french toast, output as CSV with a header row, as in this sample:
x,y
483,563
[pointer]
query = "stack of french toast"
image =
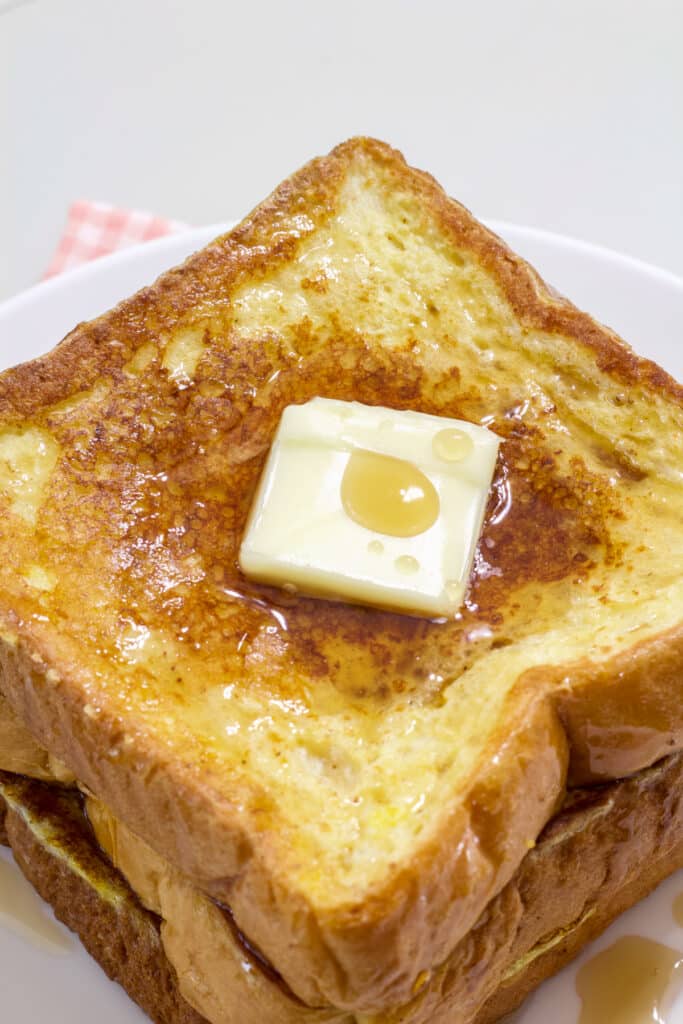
x,y
256,804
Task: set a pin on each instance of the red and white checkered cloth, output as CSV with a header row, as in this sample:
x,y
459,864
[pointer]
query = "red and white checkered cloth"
x,y
96,229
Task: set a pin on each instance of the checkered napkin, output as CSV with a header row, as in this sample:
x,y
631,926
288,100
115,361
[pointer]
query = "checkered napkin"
x,y
96,229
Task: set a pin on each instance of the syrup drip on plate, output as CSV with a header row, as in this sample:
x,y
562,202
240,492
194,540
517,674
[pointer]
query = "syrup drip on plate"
x,y
634,981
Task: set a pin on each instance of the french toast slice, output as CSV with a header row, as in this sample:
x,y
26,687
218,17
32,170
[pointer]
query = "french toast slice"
x,y
607,848
355,785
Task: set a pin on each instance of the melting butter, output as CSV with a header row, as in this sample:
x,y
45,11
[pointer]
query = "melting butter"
x,y
355,504
634,981
388,495
407,565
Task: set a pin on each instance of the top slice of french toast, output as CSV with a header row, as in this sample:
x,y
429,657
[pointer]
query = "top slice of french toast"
x,y
355,785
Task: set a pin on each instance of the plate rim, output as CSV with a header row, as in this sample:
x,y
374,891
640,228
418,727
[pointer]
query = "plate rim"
x,y
203,234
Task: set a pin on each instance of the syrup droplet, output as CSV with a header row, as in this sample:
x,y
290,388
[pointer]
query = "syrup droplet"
x,y
388,495
407,564
375,547
452,445
632,982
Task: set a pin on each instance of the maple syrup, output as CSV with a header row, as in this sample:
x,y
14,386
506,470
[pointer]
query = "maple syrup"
x,y
631,982
452,445
388,495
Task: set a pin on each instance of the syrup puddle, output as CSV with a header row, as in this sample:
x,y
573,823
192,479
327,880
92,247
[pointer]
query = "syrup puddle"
x,y
634,981
23,912
257,603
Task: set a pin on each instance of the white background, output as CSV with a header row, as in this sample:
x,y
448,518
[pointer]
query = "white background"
x,y
567,116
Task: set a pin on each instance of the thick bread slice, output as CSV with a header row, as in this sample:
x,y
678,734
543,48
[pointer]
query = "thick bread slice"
x,y
19,752
357,786
607,849
51,844
25,757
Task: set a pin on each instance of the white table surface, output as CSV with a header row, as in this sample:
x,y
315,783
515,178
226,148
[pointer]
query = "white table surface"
x,y
566,116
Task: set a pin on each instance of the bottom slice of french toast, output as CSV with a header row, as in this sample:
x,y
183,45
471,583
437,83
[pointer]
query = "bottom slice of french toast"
x,y
605,850
49,837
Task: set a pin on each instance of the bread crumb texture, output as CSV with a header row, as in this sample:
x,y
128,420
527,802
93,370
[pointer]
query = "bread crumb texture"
x,y
127,476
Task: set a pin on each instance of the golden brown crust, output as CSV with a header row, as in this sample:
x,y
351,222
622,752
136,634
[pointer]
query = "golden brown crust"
x,y
529,295
19,751
604,851
56,850
116,931
363,953
624,715
609,864
439,894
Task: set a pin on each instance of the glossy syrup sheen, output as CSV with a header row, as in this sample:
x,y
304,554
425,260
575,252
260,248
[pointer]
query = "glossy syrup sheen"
x,y
155,486
634,981
162,415
452,445
388,495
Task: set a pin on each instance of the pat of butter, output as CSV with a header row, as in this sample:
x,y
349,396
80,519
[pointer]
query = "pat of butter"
x,y
371,505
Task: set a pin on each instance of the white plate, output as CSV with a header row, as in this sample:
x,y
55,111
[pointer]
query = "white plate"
x,y
645,306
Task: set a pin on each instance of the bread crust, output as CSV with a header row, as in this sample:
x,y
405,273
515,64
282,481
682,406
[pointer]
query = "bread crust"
x,y
116,931
535,303
419,910
365,955
633,842
603,852
623,715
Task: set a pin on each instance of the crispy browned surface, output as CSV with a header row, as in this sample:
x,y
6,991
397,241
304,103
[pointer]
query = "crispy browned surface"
x,y
645,827
55,848
196,491
416,913
607,849
140,529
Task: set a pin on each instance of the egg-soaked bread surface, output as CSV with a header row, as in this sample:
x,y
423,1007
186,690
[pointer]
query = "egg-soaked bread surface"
x,y
356,785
